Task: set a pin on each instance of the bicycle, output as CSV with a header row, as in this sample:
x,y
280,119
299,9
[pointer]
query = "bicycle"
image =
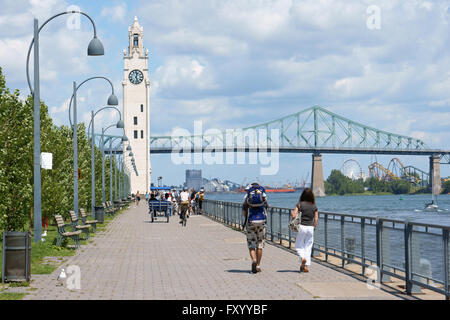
x,y
184,211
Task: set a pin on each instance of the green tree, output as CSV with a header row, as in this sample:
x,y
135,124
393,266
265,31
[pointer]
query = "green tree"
x,y
16,164
446,187
16,159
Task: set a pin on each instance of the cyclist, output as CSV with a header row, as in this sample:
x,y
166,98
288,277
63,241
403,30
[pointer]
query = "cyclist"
x,y
185,205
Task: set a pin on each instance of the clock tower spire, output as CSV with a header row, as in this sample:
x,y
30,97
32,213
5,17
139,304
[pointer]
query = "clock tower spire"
x,y
136,108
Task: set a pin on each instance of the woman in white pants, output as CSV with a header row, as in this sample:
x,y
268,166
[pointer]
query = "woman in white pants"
x,y
306,206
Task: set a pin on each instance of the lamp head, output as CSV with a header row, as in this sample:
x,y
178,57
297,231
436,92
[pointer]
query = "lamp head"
x,y
131,154
124,138
128,148
120,124
95,47
112,100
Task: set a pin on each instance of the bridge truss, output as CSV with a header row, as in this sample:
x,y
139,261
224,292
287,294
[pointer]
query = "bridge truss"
x,y
312,130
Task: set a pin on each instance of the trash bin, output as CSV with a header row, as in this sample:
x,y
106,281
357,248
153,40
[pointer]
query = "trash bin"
x,y
16,263
99,214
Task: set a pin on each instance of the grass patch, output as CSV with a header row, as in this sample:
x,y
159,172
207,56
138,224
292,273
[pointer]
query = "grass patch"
x,y
11,296
19,284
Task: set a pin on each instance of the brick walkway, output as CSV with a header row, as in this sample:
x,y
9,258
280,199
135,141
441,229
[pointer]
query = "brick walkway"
x,y
136,259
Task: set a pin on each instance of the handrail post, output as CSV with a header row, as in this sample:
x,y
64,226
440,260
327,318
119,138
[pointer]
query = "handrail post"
x,y
326,236
446,267
279,227
363,244
408,233
271,224
342,241
289,235
379,246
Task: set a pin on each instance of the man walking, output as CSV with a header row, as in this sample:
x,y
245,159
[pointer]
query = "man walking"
x,y
255,205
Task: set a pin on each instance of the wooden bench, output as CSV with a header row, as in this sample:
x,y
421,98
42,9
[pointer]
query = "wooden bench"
x,y
112,207
62,233
155,206
108,211
77,226
86,222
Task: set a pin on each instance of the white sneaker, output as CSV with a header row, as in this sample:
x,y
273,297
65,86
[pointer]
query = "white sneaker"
x,y
44,234
42,239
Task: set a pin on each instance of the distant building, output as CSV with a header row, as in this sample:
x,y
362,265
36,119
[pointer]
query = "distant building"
x,y
216,185
194,179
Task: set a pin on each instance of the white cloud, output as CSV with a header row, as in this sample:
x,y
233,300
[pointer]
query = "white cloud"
x,y
182,74
116,13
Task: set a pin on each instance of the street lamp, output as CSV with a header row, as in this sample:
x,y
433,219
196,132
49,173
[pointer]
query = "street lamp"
x,y
112,152
112,101
103,143
95,48
118,125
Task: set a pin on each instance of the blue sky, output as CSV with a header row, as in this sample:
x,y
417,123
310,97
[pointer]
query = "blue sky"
x,y
237,63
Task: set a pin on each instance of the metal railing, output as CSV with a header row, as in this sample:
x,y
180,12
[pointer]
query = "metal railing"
x,y
414,252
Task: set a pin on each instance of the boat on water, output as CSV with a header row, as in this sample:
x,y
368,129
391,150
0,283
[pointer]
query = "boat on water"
x,y
271,190
432,206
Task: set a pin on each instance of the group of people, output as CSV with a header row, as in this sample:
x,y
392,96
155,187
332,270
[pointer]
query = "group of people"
x,y
254,210
185,202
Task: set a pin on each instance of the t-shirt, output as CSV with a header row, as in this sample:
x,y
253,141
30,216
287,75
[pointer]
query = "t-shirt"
x,y
184,196
307,210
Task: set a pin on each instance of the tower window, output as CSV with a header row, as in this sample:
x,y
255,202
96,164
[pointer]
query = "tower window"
x,y
135,134
142,108
135,120
142,134
135,40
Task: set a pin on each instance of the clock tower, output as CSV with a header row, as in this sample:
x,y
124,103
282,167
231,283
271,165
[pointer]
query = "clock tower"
x,y
136,108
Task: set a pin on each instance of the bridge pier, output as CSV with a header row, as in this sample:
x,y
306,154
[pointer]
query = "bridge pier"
x,y
435,175
317,184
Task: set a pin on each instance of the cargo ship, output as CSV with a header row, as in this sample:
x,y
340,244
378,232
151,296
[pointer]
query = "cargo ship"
x,y
271,190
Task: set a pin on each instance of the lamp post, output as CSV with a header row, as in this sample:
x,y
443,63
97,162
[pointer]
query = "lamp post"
x,y
112,157
103,143
91,124
112,101
95,48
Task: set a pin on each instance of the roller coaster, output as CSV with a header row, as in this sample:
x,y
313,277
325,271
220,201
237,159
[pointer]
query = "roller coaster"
x,y
397,171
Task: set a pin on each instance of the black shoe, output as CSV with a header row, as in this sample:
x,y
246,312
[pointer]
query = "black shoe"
x,y
254,270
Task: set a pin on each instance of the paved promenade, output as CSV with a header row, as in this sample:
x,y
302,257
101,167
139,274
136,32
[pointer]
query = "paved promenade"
x,y
136,259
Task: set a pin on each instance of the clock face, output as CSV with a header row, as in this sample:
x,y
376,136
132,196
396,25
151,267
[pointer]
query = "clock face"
x,y
136,76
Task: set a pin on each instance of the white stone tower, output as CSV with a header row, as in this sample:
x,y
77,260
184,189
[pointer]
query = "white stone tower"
x,y
136,107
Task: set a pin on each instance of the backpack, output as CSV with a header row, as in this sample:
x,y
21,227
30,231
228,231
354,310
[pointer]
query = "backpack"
x,y
256,204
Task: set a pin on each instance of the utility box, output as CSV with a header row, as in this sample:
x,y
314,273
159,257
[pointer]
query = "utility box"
x,y
16,263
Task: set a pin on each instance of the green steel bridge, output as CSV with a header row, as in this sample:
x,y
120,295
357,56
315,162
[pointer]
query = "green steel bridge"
x,y
313,130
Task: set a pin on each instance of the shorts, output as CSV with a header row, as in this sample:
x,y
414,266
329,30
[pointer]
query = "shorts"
x,y
256,234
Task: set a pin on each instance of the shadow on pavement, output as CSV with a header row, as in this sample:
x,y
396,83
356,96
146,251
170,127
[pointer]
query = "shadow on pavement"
x,y
238,271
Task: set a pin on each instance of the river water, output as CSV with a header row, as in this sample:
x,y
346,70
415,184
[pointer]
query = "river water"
x,y
392,206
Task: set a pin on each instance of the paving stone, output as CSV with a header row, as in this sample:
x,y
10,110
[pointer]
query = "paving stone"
x,y
135,259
